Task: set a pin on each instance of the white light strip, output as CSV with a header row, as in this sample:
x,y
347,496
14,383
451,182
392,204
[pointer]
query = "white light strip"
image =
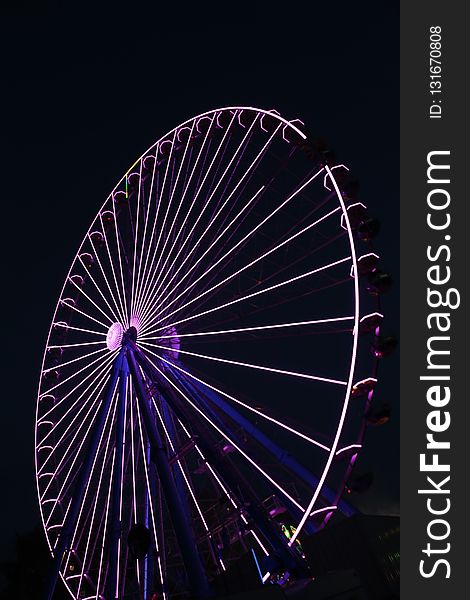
x,y
119,308
240,180
101,376
103,544
93,279
162,252
239,402
103,361
72,545
74,360
94,303
234,444
100,358
160,199
351,370
250,365
145,289
124,298
150,499
252,295
80,329
253,262
155,292
243,329
224,489
83,313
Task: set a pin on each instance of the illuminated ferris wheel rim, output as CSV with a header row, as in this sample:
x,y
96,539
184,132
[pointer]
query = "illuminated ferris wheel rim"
x,y
117,329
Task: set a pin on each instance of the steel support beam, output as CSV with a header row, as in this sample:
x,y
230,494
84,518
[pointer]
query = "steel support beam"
x,y
112,592
62,546
289,557
272,447
199,585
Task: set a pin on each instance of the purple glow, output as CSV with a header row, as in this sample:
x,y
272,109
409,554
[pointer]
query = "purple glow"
x,y
114,336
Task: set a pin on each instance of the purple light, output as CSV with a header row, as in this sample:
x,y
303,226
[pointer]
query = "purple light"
x,y
114,336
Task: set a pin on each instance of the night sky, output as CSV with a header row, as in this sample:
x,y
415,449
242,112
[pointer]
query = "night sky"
x,y
85,92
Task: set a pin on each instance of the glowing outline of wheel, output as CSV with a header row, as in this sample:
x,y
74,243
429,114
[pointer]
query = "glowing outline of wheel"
x,y
327,172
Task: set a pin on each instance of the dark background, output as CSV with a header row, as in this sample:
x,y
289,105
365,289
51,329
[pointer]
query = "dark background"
x,y
87,90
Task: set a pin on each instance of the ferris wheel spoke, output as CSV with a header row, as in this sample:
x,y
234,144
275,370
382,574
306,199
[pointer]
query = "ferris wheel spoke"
x,y
136,237
183,474
119,306
74,360
91,525
155,306
252,295
174,187
186,480
69,477
117,483
97,381
67,454
123,297
237,155
103,542
252,366
212,221
150,283
74,308
230,496
183,196
249,235
79,329
92,279
199,185
77,345
351,369
301,258
71,377
244,404
155,290
150,243
134,446
152,275
83,293
244,268
160,199
151,500
103,363
227,438
245,329
289,265
133,463
144,235
94,503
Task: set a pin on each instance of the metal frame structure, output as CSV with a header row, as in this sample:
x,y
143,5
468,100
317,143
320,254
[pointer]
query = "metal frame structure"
x,y
147,272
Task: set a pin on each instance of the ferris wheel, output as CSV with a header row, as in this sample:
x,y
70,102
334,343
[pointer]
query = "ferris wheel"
x,y
208,367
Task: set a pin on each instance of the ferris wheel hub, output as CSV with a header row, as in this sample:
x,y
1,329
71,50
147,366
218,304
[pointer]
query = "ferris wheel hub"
x,y
114,336
131,333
